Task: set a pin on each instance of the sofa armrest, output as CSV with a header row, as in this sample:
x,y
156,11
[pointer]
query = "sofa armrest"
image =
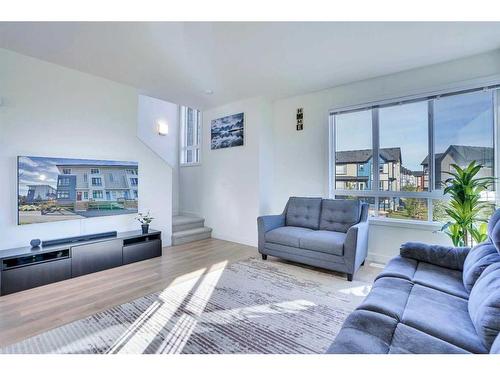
x,y
444,256
267,223
356,246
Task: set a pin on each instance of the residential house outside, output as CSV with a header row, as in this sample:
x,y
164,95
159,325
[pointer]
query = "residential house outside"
x,y
412,178
353,169
89,186
40,193
55,189
462,156
354,172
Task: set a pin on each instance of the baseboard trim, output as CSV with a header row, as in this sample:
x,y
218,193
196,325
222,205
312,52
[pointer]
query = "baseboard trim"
x,y
234,239
378,258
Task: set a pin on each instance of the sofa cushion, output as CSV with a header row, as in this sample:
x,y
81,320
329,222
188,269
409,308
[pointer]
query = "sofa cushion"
x,y
440,278
408,340
436,277
388,296
443,316
324,241
480,257
401,267
484,305
364,332
339,214
303,212
288,251
288,236
372,332
308,257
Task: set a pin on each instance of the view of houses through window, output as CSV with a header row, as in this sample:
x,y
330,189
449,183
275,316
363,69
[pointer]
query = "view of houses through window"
x,y
452,129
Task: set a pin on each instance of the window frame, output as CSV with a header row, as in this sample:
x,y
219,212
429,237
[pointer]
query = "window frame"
x,y
96,181
62,194
94,193
197,135
432,193
63,181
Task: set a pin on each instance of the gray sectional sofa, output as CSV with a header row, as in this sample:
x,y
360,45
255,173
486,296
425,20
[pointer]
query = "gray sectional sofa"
x,y
431,299
327,233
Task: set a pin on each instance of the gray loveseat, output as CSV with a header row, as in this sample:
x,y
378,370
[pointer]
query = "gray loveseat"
x,y
431,299
327,233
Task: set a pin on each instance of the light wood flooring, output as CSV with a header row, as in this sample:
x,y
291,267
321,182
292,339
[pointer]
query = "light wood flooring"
x,y
33,311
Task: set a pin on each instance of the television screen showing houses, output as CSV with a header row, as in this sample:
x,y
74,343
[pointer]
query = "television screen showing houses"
x,y
55,189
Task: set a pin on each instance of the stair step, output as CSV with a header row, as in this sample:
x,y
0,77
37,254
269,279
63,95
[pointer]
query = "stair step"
x,y
190,235
181,223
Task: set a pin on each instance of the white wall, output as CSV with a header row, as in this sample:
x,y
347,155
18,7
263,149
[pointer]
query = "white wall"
x,y
52,111
288,162
225,189
150,111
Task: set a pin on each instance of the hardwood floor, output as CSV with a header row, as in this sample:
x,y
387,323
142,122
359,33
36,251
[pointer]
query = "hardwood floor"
x,y
33,311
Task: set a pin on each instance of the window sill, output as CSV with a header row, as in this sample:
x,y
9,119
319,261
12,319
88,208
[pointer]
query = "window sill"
x,y
409,224
190,165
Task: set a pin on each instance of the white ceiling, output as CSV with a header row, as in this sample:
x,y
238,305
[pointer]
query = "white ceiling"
x,y
178,62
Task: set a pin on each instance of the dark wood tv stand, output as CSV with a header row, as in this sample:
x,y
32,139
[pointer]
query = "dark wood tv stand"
x,y
25,268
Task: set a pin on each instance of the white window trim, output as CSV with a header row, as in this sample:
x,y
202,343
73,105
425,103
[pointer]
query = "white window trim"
x,y
197,135
432,193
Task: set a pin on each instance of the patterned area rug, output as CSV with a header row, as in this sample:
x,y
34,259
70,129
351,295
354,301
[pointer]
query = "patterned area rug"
x,y
247,307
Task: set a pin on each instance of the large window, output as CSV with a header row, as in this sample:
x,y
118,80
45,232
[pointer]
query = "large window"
x,y
463,132
353,146
404,144
416,142
190,139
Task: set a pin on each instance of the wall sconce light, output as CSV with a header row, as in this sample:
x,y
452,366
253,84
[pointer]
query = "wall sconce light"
x,y
162,127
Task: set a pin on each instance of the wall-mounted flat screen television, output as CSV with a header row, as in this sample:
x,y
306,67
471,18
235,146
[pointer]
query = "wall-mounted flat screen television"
x,y
55,189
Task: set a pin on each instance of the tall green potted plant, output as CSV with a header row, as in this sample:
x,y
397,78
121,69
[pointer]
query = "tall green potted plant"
x,y
465,208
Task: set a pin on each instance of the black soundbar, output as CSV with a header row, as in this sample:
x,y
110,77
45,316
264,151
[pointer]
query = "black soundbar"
x,y
85,237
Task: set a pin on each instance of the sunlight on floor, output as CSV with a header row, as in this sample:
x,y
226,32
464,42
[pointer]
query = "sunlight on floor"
x,y
178,336
190,296
358,291
186,323
140,334
178,311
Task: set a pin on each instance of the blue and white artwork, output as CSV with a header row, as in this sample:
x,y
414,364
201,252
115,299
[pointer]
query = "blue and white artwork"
x,y
228,131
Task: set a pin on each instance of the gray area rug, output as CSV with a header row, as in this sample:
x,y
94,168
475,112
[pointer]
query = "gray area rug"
x,y
250,306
